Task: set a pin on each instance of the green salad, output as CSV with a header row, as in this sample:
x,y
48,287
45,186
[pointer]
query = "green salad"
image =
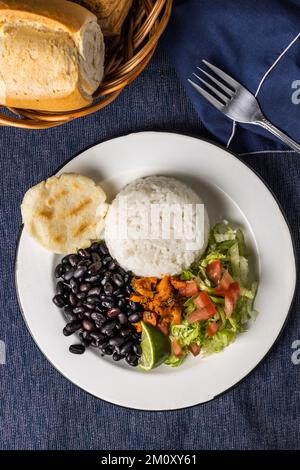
x,y
214,318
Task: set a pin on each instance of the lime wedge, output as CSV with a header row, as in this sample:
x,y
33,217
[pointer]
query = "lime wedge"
x,y
155,347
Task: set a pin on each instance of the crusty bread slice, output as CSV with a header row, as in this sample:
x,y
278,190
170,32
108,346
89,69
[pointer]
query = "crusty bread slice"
x,y
65,212
51,55
110,13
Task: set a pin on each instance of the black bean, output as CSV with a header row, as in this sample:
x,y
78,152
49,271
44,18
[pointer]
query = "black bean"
x,y
108,288
106,260
117,357
94,268
60,288
103,342
122,318
103,249
80,272
108,303
84,287
65,260
96,337
126,332
81,295
59,301
69,315
71,327
88,325
74,286
88,305
134,318
77,348
136,307
73,299
116,341
118,280
113,312
94,246
93,279
73,260
94,291
108,351
85,335
96,258
78,310
83,253
87,313
128,290
105,278
67,267
132,359
68,275
119,326
122,272
126,348
111,265
59,270
118,292
93,299
108,327
121,303
98,317
137,349
84,262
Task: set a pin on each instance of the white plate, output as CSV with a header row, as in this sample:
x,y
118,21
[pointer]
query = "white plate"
x,y
231,191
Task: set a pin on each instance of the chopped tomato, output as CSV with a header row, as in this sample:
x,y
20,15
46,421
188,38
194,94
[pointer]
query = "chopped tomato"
x,y
224,284
214,270
203,301
190,289
195,349
212,329
176,349
200,314
231,298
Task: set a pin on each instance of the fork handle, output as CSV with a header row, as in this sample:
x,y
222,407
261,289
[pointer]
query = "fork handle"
x,y
265,124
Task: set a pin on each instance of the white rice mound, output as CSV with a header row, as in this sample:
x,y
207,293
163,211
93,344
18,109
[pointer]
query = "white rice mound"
x,y
152,255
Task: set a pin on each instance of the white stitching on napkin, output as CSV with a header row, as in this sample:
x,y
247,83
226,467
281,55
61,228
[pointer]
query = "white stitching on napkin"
x,y
232,134
275,63
234,125
266,151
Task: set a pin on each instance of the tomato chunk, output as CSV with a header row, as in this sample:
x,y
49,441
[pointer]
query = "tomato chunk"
x,y
200,314
195,349
214,271
203,301
190,289
231,297
224,284
176,349
212,329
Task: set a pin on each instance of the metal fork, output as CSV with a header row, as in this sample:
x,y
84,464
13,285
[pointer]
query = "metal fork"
x,y
236,102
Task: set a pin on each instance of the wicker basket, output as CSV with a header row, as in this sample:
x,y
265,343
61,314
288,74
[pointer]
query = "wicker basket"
x,y
126,57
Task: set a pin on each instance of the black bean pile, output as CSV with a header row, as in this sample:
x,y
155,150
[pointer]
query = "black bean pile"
x,y
93,291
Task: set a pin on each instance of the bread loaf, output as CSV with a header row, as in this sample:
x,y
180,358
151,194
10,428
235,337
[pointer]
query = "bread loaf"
x,y
111,13
51,55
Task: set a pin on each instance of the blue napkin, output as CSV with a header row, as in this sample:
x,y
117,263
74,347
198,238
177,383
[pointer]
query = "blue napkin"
x,y
255,41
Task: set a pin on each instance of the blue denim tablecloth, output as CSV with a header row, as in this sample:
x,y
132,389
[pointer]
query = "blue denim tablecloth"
x,y
40,409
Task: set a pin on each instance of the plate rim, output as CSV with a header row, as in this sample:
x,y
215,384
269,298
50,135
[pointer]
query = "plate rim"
x,y
218,145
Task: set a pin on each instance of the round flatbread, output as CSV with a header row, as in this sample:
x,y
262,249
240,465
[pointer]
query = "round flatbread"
x,y
64,213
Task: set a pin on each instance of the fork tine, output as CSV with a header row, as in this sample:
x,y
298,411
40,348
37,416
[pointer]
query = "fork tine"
x,y
220,85
230,81
213,89
207,96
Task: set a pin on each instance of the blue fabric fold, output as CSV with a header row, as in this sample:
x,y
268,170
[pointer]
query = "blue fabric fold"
x,y
255,41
